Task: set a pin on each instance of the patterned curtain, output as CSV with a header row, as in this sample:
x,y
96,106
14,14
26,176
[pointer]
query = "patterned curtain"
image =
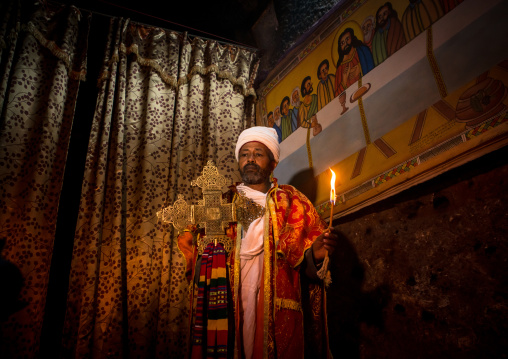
x,y
167,104
43,58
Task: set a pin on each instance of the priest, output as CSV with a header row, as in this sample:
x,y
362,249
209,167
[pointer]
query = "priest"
x,y
276,295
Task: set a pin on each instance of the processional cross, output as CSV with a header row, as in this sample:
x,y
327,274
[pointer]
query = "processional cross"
x,y
212,211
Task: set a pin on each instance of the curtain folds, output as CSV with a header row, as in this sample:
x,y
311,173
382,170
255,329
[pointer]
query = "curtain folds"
x,y
167,104
43,57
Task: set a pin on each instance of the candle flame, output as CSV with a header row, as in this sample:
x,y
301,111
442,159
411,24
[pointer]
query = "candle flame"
x,y
332,187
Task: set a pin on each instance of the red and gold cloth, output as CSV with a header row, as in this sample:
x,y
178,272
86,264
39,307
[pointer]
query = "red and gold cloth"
x,y
293,322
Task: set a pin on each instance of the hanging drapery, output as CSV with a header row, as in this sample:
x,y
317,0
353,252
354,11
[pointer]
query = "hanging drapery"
x,y
166,105
214,105
43,58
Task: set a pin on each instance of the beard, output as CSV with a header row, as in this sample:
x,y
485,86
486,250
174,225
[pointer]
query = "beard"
x,y
253,174
367,36
347,49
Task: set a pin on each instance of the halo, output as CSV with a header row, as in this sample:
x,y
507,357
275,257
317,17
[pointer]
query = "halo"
x,y
357,29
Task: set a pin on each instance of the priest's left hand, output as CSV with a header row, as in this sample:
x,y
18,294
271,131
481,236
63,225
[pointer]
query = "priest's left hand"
x,y
326,241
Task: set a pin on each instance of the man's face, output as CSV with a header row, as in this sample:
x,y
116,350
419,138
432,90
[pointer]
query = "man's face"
x,y
382,16
323,72
285,108
276,114
367,28
296,97
345,43
270,120
308,87
255,163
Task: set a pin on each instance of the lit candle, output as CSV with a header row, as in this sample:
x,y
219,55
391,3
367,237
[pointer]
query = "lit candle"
x,y
332,197
324,273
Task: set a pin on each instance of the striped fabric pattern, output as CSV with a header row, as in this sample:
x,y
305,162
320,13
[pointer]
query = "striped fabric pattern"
x,y
211,325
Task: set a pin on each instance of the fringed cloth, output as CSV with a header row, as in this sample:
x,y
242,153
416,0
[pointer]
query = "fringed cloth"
x,y
211,325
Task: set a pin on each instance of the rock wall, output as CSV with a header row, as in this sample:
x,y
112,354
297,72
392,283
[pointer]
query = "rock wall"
x,y
424,274
285,24
296,17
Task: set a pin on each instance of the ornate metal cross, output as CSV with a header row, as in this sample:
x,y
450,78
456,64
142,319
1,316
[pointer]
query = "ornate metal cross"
x,y
212,211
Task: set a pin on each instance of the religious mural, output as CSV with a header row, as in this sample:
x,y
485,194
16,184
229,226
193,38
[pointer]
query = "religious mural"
x,y
385,88
451,130
369,37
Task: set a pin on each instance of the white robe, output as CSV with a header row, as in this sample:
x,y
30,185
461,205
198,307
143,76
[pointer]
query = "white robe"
x,y
251,270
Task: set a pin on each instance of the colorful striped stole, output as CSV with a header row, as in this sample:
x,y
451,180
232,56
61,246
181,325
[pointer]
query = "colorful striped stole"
x,y
211,324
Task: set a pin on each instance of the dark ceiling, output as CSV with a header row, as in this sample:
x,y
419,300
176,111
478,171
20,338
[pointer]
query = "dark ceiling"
x,y
273,27
225,20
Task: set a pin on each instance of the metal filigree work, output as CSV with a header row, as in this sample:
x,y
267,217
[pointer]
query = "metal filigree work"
x,y
212,212
226,242
247,210
179,214
210,179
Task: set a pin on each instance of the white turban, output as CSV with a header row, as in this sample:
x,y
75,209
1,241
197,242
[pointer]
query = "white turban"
x,y
265,135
